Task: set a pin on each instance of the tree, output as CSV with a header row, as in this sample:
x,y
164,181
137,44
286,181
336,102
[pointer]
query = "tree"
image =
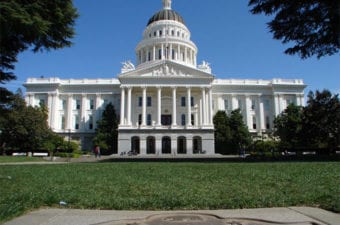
x,y
36,24
107,131
241,137
314,25
288,126
321,123
24,128
222,132
231,134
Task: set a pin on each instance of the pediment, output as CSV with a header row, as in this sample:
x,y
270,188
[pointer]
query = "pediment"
x,y
166,69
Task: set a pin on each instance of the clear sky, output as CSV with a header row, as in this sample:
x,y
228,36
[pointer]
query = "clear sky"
x,y
236,43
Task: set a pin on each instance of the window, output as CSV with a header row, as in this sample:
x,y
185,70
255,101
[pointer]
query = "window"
x,y
149,101
192,119
240,104
183,102
159,53
41,102
90,122
183,119
254,122
63,104
76,122
160,33
77,104
266,104
91,104
173,54
267,122
149,56
62,125
155,34
192,101
140,101
106,102
139,119
226,104
178,33
253,103
172,33
149,120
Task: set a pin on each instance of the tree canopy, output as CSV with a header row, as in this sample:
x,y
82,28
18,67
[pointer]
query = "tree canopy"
x,y
312,25
36,24
231,134
313,127
107,131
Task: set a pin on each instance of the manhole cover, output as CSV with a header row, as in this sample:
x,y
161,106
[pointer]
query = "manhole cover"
x,y
195,219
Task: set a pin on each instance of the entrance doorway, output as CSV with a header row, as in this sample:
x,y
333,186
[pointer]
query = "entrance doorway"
x,y
166,145
197,145
166,120
181,145
150,145
135,143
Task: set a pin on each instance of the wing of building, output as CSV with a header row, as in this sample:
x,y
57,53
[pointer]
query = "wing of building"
x,y
166,102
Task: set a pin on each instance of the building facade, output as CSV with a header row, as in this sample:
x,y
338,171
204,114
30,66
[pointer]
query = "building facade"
x,y
166,102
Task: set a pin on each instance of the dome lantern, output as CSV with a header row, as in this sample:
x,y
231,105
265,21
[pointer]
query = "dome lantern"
x,y
166,4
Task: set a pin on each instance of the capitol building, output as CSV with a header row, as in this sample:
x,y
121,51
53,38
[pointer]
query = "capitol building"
x,y
166,100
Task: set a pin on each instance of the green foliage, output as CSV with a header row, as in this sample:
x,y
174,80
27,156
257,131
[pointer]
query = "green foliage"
x,y
314,26
169,186
267,148
231,134
24,128
288,126
321,124
107,131
314,127
36,24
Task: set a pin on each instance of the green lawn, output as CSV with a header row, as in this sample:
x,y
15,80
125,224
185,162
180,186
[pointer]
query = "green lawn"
x,y
10,159
166,186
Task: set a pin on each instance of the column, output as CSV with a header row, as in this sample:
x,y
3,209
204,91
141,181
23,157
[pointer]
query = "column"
x,y
159,106
247,112
82,121
178,53
302,100
201,112
174,110
154,53
144,107
122,106
129,106
142,145
189,107
261,115
69,112
54,111
170,53
211,110
185,54
276,105
203,107
162,51
234,102
189,146
98,104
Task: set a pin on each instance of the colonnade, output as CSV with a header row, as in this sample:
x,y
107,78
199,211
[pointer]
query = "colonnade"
x,y
167,51
205,105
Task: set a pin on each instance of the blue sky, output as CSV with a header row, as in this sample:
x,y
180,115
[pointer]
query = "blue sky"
x,y
236,43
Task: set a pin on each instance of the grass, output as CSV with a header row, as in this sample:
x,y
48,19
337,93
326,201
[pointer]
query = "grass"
x,y
11,159
167,186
